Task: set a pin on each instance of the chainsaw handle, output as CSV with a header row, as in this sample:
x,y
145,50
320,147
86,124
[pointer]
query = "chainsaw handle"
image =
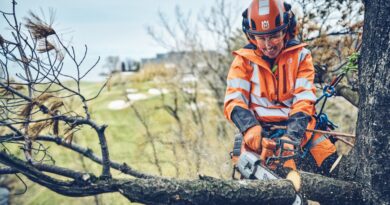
x,y
282,145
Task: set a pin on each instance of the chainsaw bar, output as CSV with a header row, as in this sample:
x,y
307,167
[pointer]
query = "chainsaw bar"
x,y
250,167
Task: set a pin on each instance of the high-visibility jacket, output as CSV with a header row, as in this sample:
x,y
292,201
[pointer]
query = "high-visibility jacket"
x,y
271,96
274,96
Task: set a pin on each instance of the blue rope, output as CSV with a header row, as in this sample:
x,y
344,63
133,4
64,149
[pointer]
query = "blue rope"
x,y
323,122
277,133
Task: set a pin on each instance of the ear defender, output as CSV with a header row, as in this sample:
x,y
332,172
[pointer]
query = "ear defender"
x,y
289,20
245,25
245,22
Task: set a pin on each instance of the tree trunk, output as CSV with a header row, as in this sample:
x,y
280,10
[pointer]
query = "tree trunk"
x,y
369,162
217,191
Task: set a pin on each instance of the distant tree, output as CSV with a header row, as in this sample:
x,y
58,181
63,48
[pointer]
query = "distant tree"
x,y
112,64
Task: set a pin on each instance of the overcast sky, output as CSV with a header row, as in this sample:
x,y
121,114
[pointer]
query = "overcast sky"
x,y
110,27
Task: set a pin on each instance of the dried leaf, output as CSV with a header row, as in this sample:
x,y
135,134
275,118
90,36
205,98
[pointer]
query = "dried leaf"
x,y
44,97
70,132
59,55
69,138
55,105
26,111
18,87
3,91
38,28
45,46
68,129
37,128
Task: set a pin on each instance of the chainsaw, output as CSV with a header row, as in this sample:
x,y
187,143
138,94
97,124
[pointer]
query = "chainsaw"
x,y
260,167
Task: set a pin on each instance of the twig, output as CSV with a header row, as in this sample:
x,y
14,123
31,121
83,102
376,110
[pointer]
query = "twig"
x,y
124,168
317,131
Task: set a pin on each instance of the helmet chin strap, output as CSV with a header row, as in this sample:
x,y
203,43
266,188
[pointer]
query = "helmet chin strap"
x,y
285,40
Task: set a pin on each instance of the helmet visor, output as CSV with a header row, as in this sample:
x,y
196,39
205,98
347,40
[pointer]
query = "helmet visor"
x,y
273,39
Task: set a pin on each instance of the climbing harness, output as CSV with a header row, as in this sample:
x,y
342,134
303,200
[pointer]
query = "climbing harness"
x,y
322,120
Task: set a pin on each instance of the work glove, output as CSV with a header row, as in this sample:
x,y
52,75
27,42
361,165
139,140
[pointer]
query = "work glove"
x,y
296,126
268,147
252,138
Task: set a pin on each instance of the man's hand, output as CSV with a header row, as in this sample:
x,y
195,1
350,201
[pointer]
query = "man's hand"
x,y
252,138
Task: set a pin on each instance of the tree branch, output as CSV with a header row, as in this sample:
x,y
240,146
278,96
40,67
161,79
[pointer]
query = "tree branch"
x,y
348,94
209,191
86,152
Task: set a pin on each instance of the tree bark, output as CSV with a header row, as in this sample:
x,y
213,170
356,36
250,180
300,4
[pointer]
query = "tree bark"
x,y
369,162
217,191
212,191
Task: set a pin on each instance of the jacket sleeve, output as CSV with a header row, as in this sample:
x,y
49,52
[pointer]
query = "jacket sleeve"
x,y
304,96
304,89
236,103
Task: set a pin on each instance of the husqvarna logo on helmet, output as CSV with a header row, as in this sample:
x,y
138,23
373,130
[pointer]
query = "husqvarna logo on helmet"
x,y
265,25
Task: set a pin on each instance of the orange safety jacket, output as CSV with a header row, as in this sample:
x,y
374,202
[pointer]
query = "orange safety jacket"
x,y
275,96
272,97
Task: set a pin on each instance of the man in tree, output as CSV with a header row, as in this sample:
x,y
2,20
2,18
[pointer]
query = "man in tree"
x,y
270,82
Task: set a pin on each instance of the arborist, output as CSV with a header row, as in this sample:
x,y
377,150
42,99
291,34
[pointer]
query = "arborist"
x,y
270,82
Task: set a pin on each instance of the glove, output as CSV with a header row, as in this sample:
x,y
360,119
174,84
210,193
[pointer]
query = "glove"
x,y
252,138
268,148
296,126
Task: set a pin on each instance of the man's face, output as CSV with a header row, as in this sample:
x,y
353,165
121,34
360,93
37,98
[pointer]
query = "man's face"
x,y
271,44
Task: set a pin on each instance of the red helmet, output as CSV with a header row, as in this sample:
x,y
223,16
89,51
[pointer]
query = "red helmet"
x,y
267,17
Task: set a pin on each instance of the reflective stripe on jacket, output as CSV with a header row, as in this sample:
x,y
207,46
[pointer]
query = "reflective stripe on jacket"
x,y
272,97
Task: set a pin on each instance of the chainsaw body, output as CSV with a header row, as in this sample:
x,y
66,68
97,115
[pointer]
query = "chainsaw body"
x,y
250,167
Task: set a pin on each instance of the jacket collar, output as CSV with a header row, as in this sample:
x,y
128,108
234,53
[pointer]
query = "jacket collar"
x,y
249,53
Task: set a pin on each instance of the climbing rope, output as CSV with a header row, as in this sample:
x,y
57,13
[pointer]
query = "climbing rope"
x,y
322,120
